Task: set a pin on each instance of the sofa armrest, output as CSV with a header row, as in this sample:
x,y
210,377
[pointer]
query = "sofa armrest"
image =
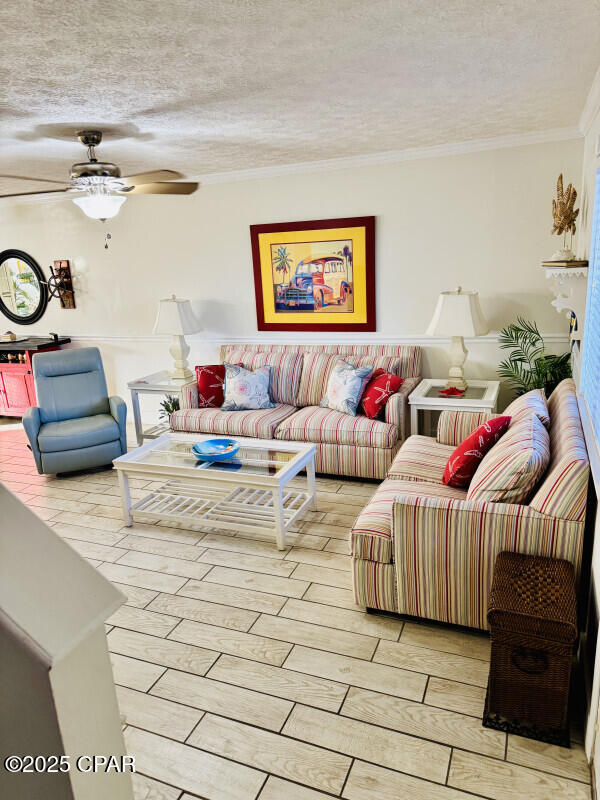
x,y
32,423
396,408
445,551
454,426
118,411
189,395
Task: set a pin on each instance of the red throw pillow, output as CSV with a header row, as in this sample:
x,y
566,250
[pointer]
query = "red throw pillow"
x,y
381,386
464,461
210,385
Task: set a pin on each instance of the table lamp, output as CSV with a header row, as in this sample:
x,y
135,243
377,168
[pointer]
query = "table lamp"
x,y
456,315
176,318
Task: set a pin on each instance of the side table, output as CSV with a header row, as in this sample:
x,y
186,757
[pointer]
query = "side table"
x,y
480,396
157,383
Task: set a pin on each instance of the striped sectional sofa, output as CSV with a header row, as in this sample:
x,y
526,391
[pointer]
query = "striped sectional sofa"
x,y
346,445
428,550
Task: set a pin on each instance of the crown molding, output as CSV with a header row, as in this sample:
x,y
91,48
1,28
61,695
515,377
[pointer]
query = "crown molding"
x,y
395,156
368,159
591,107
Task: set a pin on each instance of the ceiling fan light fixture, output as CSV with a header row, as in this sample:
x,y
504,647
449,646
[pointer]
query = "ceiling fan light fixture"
x,y
99,203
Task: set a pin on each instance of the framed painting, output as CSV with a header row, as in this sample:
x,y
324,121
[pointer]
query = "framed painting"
x,y
315,276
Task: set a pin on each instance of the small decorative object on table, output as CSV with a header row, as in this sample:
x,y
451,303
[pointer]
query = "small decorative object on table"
x,y
564,215
168,406
533,626
215,449
457,314
452,391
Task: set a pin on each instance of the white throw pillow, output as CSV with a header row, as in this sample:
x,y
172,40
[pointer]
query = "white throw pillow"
x,y
345,387
247,389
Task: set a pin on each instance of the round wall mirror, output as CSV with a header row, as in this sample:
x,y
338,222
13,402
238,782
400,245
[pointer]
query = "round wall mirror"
x,y
23,288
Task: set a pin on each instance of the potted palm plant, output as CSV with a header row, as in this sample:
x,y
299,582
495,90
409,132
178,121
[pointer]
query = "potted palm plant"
x,y
528,366
168,406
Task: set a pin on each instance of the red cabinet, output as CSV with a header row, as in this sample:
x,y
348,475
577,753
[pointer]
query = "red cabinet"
x,y
17,389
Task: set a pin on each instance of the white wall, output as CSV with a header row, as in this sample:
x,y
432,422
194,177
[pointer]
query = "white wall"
x,y
480,219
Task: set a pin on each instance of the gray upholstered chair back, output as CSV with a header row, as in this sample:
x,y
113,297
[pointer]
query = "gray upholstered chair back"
x,y
70,384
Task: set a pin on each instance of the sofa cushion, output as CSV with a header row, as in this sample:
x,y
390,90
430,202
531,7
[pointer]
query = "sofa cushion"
x,y
454,426
317,367
420,458
386,363
345,387
285,370
315,424
563,492
381,386
511,470
72,434
259,424
211,380
371,536
533,402
315,374
246,389
469,454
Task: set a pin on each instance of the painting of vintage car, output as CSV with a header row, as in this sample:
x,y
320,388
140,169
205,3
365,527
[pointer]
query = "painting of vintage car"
x,y
318,282
316,275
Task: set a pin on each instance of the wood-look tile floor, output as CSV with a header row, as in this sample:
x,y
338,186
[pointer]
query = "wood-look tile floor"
x,y
244,672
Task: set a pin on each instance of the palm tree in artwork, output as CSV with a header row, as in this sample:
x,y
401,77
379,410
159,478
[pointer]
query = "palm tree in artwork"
x,y
346,254
282,261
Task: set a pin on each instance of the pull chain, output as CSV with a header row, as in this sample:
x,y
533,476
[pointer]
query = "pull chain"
x,y
106,240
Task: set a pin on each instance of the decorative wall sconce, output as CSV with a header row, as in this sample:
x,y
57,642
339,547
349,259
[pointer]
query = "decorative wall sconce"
x,y
60,284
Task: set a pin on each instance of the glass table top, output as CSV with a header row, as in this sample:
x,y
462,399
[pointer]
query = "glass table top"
x,y
249,460
471,392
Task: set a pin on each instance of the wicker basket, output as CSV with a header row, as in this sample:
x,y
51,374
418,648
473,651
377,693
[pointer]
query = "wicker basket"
x,y
533,627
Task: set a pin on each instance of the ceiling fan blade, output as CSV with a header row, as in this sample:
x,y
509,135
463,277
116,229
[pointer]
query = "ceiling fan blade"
x,y
35,180
25,194
152,177
162,188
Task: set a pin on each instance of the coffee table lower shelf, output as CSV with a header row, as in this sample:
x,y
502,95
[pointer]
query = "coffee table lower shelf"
x,y
244,509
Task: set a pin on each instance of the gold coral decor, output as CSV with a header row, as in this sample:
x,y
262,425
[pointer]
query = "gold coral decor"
x,y
564,215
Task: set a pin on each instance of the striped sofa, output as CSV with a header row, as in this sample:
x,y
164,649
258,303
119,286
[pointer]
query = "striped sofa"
x,y
345,445
428,550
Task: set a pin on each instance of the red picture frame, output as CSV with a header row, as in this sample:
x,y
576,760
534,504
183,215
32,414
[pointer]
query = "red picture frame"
x,y
319,300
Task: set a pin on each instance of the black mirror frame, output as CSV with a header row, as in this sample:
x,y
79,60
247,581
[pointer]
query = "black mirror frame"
x,y
40,310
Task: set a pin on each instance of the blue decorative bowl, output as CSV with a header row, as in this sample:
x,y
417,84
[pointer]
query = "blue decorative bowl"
x,y
215,449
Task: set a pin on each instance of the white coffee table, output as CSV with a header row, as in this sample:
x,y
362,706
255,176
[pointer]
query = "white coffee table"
x,y
249,493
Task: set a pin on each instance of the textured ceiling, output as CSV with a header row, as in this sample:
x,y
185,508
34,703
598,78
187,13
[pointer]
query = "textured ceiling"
x,y
232,84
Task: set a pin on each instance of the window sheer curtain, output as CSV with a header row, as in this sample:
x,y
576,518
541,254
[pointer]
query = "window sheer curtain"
x,y
590,362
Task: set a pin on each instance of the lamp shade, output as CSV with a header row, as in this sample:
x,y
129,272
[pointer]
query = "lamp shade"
x,y
458,313
100,205
175,317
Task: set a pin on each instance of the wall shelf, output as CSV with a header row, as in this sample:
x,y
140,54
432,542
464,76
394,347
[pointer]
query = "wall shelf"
x,y
569,285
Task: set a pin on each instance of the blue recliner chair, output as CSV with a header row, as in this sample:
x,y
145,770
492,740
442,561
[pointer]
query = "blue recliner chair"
x,y
76,425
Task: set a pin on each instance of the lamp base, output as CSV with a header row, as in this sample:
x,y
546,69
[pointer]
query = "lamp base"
x,y
181,376
458,356
179,350
456,383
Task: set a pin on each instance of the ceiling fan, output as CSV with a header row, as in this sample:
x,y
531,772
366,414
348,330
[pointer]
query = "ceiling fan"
x,y
100,187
